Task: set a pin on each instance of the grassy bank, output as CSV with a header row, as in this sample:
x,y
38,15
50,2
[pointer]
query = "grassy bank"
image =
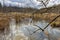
x,y
5,18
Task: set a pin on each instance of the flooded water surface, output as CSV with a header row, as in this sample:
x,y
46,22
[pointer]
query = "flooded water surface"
x,y
23,31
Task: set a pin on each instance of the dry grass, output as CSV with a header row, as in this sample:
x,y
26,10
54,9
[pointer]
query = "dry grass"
x,y
5,18
4,22
36,17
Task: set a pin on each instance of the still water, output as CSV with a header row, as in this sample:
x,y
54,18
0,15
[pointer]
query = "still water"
x,y
23,31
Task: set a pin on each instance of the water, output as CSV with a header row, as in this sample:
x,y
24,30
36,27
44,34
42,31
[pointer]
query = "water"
x,y
23,31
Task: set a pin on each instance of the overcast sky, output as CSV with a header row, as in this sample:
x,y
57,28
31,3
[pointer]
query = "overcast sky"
x,y
28,3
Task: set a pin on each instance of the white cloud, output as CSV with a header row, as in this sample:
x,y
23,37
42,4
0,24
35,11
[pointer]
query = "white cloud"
x,y
53,2
28,3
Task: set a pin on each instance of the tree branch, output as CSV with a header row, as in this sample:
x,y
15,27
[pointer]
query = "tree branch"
x,y
48,24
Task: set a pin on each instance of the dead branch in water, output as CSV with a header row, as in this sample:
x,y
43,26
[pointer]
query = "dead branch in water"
x,y
47,25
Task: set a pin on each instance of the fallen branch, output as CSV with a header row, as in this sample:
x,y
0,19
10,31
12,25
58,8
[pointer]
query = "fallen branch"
x,y
47,25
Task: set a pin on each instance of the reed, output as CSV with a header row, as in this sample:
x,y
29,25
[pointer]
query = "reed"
x,y
5,18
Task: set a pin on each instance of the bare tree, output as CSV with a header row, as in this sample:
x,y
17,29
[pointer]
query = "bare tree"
x,y
44,2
